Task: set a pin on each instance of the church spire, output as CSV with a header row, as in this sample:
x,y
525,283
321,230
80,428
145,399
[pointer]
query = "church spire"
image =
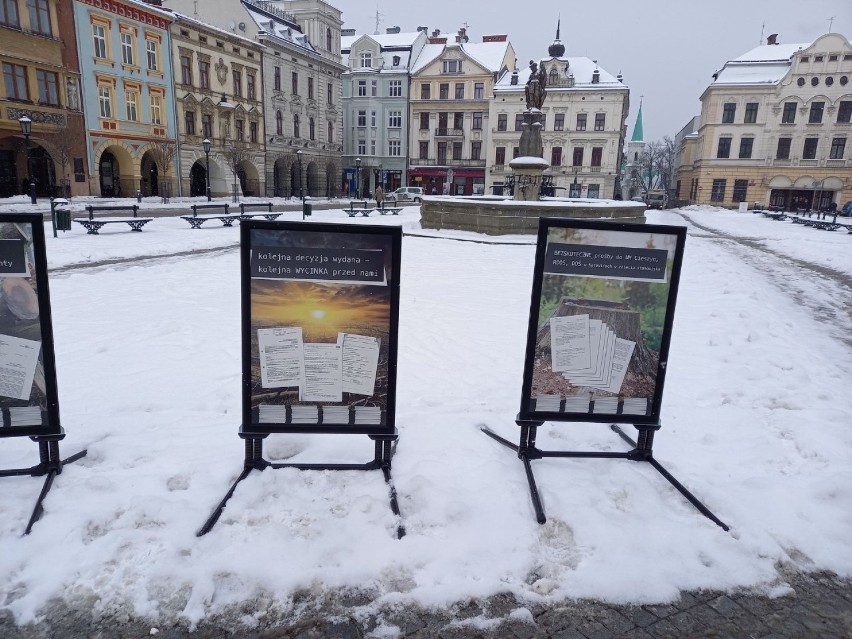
x,y
638,134
557,49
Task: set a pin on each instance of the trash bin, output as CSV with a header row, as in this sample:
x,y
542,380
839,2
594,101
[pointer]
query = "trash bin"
x,y
307,209
63,220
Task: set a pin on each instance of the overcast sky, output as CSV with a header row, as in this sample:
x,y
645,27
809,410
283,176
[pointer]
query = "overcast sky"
x,y
667,51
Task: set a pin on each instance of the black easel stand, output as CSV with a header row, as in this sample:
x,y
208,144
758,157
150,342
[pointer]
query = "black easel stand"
x,y
51,465
385,446
642,451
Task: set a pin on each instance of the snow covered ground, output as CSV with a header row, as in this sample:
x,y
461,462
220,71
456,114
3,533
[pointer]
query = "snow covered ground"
x,y
755,422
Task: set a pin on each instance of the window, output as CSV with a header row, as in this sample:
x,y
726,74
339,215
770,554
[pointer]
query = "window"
x,y
395,119
477,121
396,60
581,121
597,155
373,119
444,91
395,88
99,41
362,88
577,160
105,101
750,113
39,16
476,150
838,146
296,125
131,103
279,123
394,148
746,145
9,13
329,94
204,74
594,191
424,120
502,121
189,122
724,150
276,79
789,115
815,116
311,89
238,83
452,66
294,83
600,121
556,156
783,150
729,112
48,87
810,149
366,59
253,131
328,40
442,152
844,112
740,191
424,150
15,78
559,122
331,131
515,152
374,88
251,87
372,147
425,91
457,150
717,193
519,122
127,48
207,125
458,121
479,91
185,70
156,108
240,128
500,155
151,54
459,90
362,118
362,147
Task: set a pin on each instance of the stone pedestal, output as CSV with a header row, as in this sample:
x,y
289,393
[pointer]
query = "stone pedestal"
x,y
528,172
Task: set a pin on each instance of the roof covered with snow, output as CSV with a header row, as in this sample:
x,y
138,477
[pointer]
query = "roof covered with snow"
x,y
487,54
384,39
766,64
391,45
581,68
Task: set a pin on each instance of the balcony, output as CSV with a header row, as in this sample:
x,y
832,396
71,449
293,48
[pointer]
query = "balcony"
x,y
449,133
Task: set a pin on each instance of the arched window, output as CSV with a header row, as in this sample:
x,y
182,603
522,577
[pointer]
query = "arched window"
x,y
554,76
312,133
331,131
296,125
328,39
279,123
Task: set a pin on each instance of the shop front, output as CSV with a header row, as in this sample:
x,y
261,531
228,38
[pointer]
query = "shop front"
x,y
805,193
447,181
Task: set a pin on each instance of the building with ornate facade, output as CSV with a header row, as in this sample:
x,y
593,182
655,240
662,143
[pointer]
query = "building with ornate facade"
x,y
41,81
127,97
774,128
584,125
451,88
375,107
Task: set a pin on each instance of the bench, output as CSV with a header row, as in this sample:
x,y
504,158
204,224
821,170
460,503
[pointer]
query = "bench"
x,y
364,209
93,226
91,209
195,220
775,215
269,215
393,209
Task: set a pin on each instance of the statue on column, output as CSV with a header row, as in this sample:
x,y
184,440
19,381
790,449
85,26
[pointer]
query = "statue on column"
x,y
534,91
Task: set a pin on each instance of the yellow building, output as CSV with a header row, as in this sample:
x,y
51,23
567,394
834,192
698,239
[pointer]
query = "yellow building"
x,y
774,129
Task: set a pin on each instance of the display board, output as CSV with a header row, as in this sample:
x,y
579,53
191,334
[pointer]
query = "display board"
x,y
28,395
320,319
600,321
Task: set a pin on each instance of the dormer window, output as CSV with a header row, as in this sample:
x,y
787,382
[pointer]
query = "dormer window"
x,y
366,59
553,76
452,66
805,58
396,60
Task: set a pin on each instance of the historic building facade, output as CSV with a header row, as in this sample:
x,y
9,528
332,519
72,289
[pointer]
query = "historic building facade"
x,y
584,125
451,88
775,128
375,107
219,95
41,81
127,97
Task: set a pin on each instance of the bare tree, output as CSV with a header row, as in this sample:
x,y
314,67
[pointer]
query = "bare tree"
x,y
164,152
235,155
650,165
667,169
64,144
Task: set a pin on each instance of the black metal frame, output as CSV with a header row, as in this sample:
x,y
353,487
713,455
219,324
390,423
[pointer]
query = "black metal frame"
x,y
385,436
529,420
50,432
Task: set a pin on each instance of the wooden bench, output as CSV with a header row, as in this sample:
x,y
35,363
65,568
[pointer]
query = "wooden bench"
x,y
91,209
775,215
195,220
364,209
393,209
269,215
93,226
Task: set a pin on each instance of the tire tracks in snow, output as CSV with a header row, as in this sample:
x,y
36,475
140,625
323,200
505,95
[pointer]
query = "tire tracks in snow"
x,y
826,292
139,259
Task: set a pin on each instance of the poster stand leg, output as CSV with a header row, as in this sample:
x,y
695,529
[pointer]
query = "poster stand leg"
x,y
50,464
642,451
385,446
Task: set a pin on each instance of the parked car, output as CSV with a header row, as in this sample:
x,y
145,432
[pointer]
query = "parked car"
x,y
656,199
409,194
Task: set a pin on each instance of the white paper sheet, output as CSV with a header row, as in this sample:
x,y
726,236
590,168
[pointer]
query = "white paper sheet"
x,y
18,361
620,361
322,373
360,359
281,357
569,342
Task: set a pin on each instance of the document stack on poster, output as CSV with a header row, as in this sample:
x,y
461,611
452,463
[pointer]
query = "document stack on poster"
x,y
25,416
369,415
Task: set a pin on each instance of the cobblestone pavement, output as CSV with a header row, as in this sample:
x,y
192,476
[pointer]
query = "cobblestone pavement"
x,y
819,606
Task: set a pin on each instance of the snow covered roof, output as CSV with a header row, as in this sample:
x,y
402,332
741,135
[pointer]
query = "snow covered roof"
x,y
766,64
581,68
290,33
769,52
391,45
180,17
488,54
384,39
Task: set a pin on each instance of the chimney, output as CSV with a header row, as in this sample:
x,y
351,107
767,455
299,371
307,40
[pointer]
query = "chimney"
x,y
423,29
393,30
596,76
347,32
436,33
514,79
772,39
437,40
461,37
495,38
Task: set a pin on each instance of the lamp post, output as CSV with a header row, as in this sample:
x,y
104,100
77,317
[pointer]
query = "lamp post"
x,y
301,180
27,129
575,188
358,178
206,145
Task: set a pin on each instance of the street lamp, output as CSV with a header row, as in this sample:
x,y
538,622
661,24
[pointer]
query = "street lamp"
x,y
301,181
27,129
206,144
358,178
575,189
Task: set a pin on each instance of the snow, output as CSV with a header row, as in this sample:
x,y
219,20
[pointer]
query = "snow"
x,y
754,422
